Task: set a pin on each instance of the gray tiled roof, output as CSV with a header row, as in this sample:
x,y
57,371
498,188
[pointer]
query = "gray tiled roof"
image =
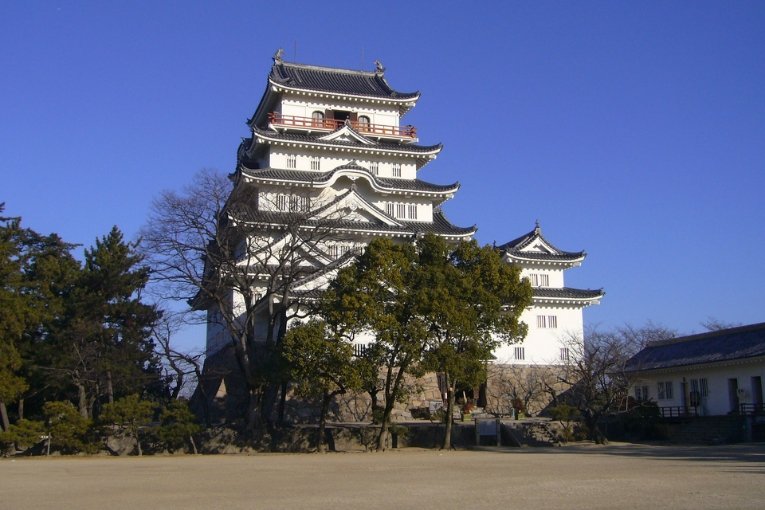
x,y
716,346
306,138
340,81
516,246
322,177
440,225
567,292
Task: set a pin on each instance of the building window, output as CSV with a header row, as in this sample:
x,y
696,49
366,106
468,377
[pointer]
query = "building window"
x,y
539,280
293,203
547,321
317,119
396,169
664,390
400,210
315,164
389,208
700,386
291,161
565,355
375,167
364,122
359,350
411,210
641,393
520,353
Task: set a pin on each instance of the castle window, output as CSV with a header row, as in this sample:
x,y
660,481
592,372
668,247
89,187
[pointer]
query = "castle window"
x,y
396,169
565,355
375,167
547,321
291,161
364,122
520,353
400,210
539,280
317,119
315,164
389,208
293,203
412,211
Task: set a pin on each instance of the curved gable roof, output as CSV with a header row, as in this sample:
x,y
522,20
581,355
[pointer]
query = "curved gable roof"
x,y
521,248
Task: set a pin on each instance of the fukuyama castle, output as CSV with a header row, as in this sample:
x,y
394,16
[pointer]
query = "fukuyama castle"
x,y
331,145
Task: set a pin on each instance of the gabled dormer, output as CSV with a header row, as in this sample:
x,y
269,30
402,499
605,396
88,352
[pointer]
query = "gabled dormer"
x,y
533,249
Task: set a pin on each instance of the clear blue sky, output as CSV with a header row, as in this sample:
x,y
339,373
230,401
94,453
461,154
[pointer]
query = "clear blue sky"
x,y
635,131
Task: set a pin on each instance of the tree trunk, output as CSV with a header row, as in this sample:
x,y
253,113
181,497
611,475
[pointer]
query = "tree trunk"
x,y
4,416
382,439
82,400
282,403
326,399
375,405
193,444
450,397
138,443
21,409
109,387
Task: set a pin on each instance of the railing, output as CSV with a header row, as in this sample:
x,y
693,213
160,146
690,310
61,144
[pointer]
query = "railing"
x,y
677,412
752,408
332,124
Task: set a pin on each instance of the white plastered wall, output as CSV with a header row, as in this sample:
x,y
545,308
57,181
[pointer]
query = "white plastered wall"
x,y
542,346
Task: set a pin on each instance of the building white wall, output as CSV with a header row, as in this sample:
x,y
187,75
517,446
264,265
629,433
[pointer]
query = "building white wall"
x,y
718,400
305,160
542,345
301,106
554,275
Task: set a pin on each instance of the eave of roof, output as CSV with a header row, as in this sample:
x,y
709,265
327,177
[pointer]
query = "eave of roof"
x,y
567,295
321,179
303,140
440,225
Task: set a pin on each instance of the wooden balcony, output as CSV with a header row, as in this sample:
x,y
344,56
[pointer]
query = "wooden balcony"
x,y
277,119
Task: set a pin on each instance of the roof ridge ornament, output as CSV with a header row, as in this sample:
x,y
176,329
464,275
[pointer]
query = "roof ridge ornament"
x,y
379,68
537,228
278,56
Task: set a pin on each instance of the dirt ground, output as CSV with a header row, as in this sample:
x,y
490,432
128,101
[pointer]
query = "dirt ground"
x,y
572,477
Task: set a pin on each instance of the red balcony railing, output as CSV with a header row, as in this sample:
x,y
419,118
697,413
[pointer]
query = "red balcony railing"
x,y
332,124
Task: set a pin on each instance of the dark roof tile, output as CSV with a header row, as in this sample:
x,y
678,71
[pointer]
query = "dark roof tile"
x,y
716,346
333,80
567,292
321,177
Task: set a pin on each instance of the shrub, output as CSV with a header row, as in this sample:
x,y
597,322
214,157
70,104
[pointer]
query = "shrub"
x,y
67,429
177,426
23,435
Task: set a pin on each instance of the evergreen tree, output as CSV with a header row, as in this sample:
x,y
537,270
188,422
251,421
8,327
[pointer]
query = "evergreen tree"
x,y
321,363
15,314
106,341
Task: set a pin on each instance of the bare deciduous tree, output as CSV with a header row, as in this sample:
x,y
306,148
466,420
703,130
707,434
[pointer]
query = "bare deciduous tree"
x,y
229,251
